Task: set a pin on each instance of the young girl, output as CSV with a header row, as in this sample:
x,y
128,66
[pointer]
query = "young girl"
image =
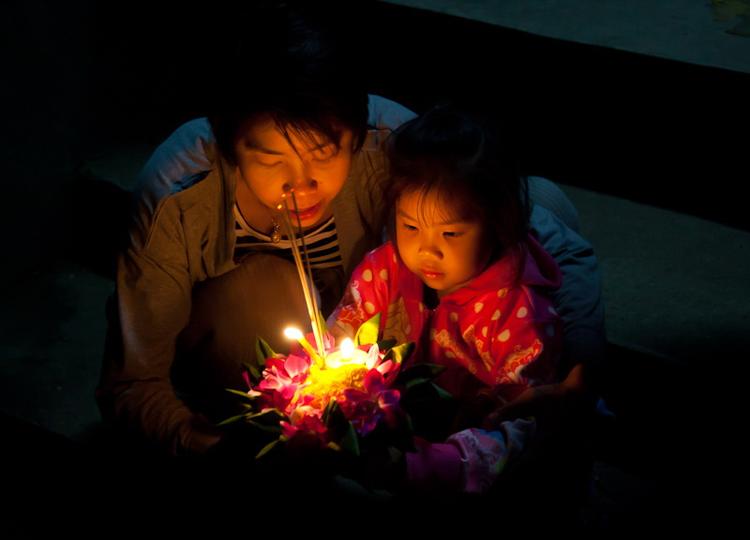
x,y
465,281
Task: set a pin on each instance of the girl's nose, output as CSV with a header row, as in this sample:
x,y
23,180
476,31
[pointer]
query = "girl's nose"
x,y
428,248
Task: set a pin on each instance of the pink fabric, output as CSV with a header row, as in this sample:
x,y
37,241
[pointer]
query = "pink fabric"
x,y
486,453
505,333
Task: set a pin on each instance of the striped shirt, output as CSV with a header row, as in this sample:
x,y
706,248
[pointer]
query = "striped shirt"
x,y
322,243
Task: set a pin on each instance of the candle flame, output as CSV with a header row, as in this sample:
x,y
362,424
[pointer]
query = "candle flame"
x,y
290,332
347,349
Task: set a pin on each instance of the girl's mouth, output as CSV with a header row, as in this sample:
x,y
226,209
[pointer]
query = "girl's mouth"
x,y
431,274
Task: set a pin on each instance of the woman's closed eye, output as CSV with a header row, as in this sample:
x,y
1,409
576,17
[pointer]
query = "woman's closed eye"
x,y
324,154
269,164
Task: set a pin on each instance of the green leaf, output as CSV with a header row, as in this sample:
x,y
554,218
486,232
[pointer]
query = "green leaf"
x,y
271,415
400,353
262,351
265,427
350,441
419,371
333,415
441,392
255,373
240,393
323,328
267,448
368,332
231,420
411,383
385,344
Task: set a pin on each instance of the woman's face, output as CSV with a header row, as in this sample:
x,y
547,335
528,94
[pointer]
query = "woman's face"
x,y
314,168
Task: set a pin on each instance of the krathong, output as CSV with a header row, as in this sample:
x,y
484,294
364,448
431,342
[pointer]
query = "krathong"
x,y
340,400
341,395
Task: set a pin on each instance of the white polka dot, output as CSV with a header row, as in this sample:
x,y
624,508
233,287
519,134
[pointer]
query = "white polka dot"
x,y
394,258
421,307
449,354
504,335
367,275
369,308
522,312
407,330
496,315
454,316
552,310
484,331
478,307
501,293
550,330
383,274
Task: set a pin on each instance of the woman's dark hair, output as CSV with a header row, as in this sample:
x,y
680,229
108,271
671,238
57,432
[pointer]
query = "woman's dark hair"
x,y
294,63
467,164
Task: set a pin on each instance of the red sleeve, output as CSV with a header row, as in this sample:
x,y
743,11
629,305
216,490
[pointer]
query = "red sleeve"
x,y
525,339
367,291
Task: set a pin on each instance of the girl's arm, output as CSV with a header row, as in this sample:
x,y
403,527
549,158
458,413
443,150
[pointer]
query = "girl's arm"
x,y
366,293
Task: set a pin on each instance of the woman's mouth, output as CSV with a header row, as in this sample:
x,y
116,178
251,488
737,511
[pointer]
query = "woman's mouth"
x,y
305,214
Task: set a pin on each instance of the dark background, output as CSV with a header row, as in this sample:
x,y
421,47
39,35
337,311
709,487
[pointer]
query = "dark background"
x,y
85,74
81,77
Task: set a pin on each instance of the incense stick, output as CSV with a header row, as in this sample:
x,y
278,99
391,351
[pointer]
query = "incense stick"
x,y
310,300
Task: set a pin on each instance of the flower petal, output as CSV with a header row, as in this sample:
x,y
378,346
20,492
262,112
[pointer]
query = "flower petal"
x,y
296,365
373,356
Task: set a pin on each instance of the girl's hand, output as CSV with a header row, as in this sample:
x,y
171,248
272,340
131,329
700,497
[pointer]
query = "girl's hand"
x,y
551,404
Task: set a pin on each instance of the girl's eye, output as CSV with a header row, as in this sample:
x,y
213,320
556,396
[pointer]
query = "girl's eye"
x,y
451,234
409,227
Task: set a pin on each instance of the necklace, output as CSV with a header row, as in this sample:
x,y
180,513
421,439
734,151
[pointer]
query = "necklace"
x,y
275,231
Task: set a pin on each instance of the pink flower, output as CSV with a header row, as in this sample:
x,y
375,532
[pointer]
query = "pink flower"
x,y
365,409
301,390
304,418
282,378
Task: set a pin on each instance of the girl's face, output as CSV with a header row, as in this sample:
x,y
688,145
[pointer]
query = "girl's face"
x,y
313,167
445,252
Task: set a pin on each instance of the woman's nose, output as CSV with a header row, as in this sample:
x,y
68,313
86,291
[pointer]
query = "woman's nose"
x,y
301,181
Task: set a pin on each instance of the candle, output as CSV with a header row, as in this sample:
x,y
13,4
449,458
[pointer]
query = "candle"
x,y
347,354
294,333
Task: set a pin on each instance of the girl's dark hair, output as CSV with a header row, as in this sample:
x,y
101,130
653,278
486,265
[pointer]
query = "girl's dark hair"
x,y
294,63
464,161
